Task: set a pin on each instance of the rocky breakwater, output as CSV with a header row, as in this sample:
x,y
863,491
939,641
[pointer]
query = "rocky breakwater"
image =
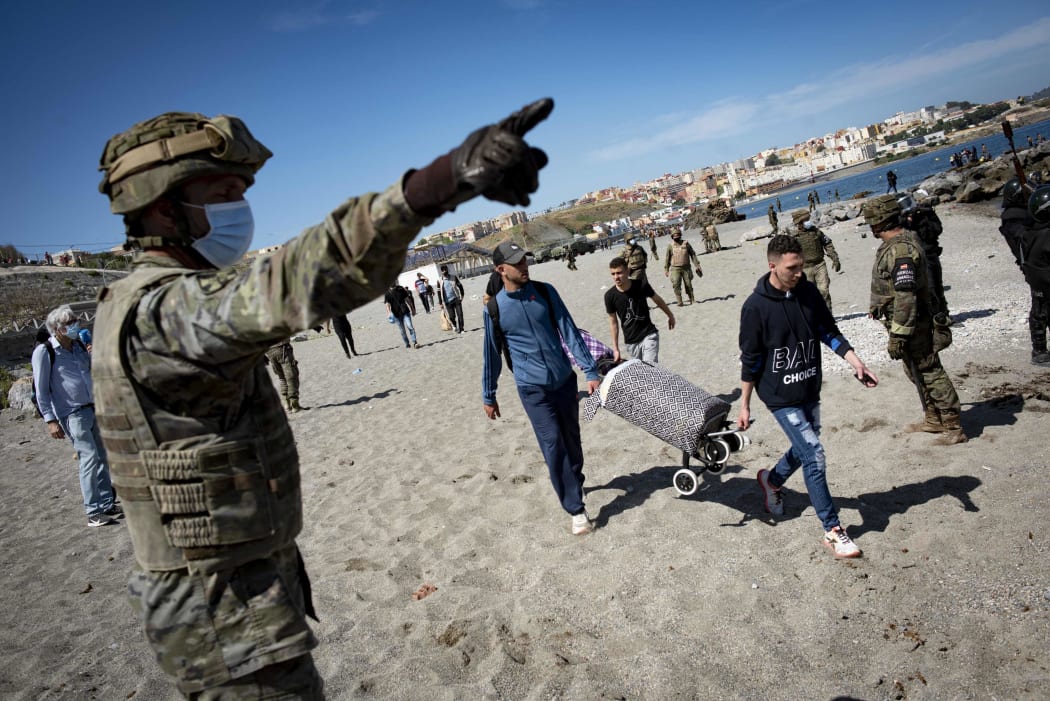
x,y
977,182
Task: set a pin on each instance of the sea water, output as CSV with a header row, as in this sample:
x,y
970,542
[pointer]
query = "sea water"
x,y
910,172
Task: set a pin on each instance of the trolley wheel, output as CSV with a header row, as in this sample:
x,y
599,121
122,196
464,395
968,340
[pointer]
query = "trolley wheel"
x,y
717,450
685,482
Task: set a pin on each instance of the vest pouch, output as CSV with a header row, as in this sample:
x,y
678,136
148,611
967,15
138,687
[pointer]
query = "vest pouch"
x,y
218,495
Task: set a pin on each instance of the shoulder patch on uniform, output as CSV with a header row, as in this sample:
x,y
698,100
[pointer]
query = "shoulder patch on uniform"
x,y
904,276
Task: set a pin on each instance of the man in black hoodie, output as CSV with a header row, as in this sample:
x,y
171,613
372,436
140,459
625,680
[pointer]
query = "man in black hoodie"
x,y
782,325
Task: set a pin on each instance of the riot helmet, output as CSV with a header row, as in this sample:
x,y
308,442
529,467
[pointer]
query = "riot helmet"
x,y
1014,194
1039,205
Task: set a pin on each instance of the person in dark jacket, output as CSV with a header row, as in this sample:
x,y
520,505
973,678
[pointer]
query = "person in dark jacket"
x,y
1016,222
782,324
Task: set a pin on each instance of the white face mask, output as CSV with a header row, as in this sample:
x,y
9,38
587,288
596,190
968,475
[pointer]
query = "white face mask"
x,y
230,235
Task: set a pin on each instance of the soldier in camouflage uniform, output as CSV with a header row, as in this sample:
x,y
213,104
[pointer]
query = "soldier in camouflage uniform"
x,y
711,241
636,258
900,298
815,244
202,454
676,266
773,221
282,360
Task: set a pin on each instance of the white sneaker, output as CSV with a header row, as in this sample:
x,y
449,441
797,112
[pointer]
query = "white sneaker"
x,y
582,524
774,499
840,543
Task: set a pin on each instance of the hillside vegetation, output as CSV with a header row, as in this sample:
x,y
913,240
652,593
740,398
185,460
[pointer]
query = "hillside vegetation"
x,y
560,225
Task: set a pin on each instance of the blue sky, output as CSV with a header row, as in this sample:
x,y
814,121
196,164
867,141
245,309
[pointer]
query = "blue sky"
x,y
349,94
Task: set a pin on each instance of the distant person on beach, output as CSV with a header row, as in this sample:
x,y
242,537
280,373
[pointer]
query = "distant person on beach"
x,y
202,454
772,214
782,325
341,326
397,306
421,283
676,266
815,246
627,304
711,241
652,244
530,316
779,208
66,400
900,298
837,199
636,258
281,357
450,298
812,201
891,181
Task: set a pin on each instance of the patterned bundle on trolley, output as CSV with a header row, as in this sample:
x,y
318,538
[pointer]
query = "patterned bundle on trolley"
x,y
664,404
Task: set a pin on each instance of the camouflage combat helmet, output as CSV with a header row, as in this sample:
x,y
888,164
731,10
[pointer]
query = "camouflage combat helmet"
x,y
799,216
152,157
882,210
1014,194
1039,205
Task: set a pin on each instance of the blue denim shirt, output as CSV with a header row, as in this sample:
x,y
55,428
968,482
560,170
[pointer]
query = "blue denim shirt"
x,y
66,387
535,349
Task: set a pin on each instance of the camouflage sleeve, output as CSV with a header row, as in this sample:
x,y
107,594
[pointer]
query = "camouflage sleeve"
x,y
237,313
905,307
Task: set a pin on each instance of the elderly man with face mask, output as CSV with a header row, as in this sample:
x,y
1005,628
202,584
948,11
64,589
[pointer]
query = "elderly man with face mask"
x,y
65,397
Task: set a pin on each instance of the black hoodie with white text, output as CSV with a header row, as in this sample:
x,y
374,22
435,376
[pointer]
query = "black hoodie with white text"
x,y
780,336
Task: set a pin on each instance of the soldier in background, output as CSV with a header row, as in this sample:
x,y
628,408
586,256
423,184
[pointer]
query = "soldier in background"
x,y
711,241
815,244
286,368
636,258
676,266
1034,249
652,244
772,214
202,455
812,201
900,298
923,221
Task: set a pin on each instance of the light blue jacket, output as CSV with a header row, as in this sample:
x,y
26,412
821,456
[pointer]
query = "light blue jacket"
x,y
67,386
535,349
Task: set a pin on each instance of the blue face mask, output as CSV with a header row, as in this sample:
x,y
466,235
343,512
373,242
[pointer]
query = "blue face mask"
x,y
73,330
230,234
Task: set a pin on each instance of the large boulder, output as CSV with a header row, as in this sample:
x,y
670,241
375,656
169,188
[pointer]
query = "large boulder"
x,y
20,396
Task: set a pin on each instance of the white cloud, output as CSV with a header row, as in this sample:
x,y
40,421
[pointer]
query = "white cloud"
x,y
845,85
318,15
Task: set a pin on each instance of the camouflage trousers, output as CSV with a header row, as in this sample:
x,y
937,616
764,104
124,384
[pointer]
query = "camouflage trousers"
x,y
712,244
682,276
236,634
818,275
282,360
923,367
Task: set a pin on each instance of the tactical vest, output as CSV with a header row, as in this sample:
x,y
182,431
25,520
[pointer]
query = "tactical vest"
x,y
680,255
204,492
812,248
636,257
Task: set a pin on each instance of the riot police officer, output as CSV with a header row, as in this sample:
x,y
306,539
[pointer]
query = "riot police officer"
x,y
922,220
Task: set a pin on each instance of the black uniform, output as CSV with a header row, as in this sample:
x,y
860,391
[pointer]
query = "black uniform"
x,y
923,220
1022,234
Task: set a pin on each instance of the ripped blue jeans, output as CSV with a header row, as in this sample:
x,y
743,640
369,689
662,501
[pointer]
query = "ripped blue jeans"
x,y
802,426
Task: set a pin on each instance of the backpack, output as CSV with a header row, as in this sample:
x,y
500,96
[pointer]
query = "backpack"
x,y
51,358
497,330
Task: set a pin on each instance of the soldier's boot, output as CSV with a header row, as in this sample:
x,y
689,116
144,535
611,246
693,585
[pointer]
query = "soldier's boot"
x,y
678,296
931,423
1039,354
953,430
293,405
692,300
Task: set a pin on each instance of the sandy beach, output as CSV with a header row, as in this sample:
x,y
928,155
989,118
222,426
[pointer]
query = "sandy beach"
x,y
406,483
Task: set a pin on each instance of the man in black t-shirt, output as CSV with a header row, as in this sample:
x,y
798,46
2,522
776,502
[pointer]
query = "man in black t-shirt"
x,y
627,304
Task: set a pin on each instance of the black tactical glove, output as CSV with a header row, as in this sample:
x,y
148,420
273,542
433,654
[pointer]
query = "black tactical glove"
x,y
494,161
897,346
